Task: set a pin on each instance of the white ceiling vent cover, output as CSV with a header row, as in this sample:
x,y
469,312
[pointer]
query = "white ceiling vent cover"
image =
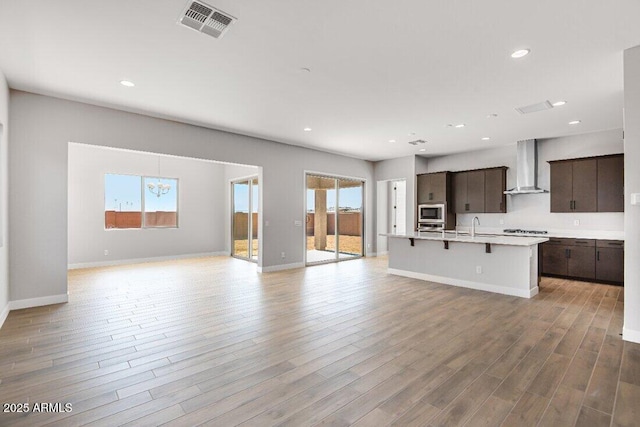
x,y
206,19
533,108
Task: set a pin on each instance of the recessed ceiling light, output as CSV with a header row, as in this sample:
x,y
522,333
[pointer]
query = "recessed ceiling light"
x,y
574,122
492,116
127,83
392,140
520,53
423,150
486,138
307,129
461,125
559,103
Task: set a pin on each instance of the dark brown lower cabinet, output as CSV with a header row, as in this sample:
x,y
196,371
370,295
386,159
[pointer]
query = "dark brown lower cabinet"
x,y
610,261
585,259
554,259
580,262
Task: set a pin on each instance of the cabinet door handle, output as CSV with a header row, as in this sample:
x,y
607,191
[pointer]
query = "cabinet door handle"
x,y
567,253
430,196
466,206
598,256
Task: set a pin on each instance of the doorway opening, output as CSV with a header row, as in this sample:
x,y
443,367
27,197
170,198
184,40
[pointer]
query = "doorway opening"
x,y
334,218
244,218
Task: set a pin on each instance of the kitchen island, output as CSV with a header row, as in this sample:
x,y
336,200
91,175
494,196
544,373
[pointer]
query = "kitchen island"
x,y
502,264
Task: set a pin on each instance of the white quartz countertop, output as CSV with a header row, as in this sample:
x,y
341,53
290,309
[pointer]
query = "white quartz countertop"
x,y
571,234
465,238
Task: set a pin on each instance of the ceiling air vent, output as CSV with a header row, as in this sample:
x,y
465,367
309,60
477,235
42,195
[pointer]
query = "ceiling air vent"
x,y
206,19
533,108
417,141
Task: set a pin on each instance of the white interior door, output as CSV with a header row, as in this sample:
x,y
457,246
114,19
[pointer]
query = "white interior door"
x,y
400,206
382,216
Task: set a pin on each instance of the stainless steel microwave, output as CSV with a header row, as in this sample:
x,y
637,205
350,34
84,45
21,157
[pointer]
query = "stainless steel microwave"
x,y
432,213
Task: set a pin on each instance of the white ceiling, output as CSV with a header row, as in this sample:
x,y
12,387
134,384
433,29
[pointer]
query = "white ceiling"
x,y
380,70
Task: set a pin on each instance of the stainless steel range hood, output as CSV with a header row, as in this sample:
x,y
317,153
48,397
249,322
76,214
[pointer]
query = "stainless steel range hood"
x,y
526,169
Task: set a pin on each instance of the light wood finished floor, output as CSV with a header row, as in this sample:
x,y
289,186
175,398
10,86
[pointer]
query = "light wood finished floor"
x,y
210,341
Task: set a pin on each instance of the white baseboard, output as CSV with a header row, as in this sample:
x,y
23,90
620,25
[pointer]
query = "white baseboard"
x,y
280,267
141,260
383,253
371,254
465,283
4,314
630,335
37,302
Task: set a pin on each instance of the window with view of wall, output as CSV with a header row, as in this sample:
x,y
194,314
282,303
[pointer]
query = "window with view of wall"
x,y
133,201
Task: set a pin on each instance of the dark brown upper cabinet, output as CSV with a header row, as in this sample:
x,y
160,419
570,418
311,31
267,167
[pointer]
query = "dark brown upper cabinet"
x,y
592,184
573,186
495,182
468,190
479,191
433,187
611,183
459,191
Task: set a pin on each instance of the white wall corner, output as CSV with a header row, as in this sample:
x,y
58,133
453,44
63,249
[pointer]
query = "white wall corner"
x,y
37,302
630,335
4,314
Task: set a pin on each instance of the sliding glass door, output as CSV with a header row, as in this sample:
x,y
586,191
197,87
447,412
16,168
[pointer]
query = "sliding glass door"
x,y
334,229
244,222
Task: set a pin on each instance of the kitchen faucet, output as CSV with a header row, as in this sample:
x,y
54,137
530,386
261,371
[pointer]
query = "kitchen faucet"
x,y
473,225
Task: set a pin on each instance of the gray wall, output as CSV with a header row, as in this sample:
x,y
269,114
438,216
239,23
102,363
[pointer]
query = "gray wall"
x,y
631,330
4,191
201,212
422,165
42,127
532,210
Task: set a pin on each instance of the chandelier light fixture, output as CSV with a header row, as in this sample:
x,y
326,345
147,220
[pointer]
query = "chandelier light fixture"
x,y
158,189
